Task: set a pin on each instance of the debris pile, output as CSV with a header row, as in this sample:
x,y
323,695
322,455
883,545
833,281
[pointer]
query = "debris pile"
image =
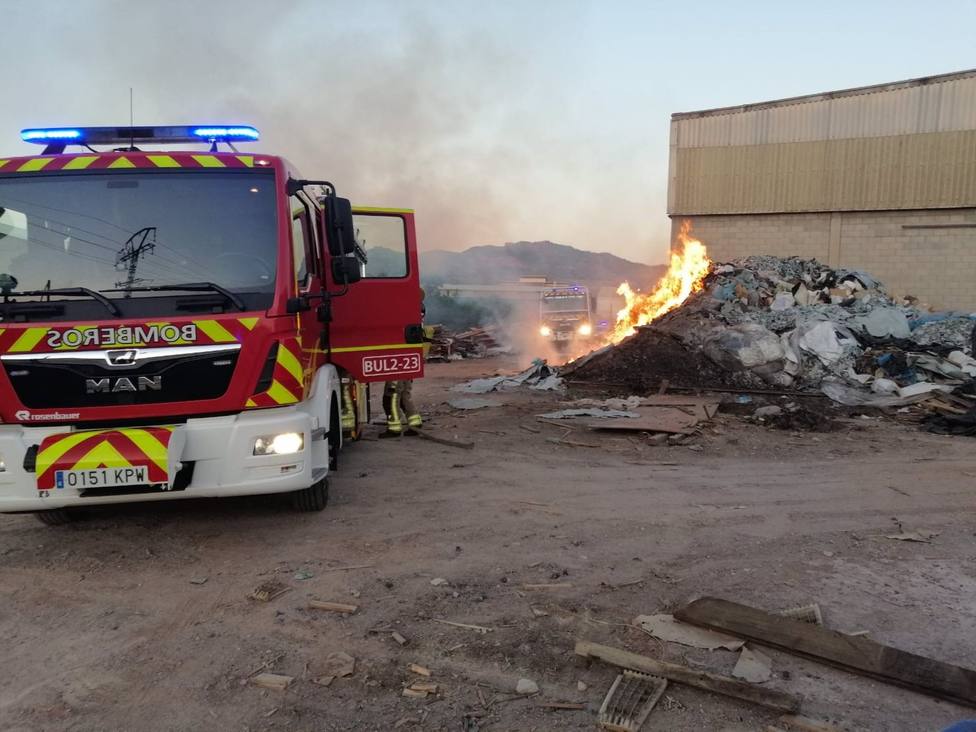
x,y
539,376
473,343
766,322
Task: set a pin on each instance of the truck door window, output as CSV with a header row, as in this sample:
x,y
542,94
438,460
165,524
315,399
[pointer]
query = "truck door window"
x,y
385,240
300,243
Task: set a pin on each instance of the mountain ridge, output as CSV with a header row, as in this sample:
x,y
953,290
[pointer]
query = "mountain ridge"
x,y
499,263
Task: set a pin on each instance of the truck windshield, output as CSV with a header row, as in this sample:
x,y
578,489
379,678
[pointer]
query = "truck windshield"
x,y
125,233
568,303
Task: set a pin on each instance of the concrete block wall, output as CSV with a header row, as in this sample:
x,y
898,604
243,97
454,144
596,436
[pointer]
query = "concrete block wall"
x,y
936,263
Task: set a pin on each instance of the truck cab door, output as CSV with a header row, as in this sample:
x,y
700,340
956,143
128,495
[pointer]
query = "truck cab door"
x,y
375,331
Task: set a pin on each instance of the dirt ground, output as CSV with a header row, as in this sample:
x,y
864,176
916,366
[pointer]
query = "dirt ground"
x,y
138,618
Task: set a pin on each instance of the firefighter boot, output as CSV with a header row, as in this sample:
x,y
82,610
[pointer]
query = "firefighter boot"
x,y
348,417
391,405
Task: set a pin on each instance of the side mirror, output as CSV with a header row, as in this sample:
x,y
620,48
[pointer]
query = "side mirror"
x,y
346,270
340,229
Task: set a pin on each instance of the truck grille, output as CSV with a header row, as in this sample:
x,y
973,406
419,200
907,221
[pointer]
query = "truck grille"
x,y
146,376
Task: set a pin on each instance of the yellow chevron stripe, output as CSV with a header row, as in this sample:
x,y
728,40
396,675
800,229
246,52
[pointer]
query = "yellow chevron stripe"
x,y
28,340
378,209
3,162
122,163
287,360
280,394
214,330
34,165
80,163
250,403
151,447
104,453
208,161
50,455
248,323
389,346
248,160
163,161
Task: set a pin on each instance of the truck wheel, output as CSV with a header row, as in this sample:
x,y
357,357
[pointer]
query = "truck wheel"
x,y
55,517
313,498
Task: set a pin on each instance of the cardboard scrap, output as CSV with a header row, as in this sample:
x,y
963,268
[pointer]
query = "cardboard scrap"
x,y
753,666
665,627
336,665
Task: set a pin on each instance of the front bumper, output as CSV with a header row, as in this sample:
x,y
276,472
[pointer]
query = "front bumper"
x,y
219,448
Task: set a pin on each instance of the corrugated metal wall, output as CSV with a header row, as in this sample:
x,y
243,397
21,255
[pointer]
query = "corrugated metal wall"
x,y
904,146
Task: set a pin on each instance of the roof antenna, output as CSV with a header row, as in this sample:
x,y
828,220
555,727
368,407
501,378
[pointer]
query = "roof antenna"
x,y
132,139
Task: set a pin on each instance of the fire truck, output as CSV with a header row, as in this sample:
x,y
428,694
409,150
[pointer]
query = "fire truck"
x,y
179,319
564,315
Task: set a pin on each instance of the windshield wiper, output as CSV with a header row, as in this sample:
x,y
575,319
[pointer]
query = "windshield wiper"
x,y
66,292
189,287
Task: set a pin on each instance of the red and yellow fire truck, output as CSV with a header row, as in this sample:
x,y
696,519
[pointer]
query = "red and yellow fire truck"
x,y
178,323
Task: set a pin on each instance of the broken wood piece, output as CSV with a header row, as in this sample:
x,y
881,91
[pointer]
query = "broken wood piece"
x,y
630,701
426,686
479,628
562,705
805,614
332,607
278,682
530,428
570,443
445,441
399,638
548,586
414,694
346,569
419,670
859,655
769,698
268,591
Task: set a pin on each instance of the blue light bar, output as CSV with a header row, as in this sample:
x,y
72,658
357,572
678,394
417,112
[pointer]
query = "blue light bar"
x,y
227,133
166,135
42,135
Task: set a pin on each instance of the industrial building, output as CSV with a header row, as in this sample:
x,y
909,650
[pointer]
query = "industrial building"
x,y
880,178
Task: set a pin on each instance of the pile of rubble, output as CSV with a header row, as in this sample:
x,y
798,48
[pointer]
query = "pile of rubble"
x,y
793,324
473,343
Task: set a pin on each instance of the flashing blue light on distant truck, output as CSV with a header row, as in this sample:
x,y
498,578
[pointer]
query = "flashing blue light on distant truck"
x,y
131,135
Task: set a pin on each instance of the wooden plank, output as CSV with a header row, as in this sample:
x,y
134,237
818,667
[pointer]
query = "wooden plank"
x,y
278,682
769,698
333,607
859,655
671,421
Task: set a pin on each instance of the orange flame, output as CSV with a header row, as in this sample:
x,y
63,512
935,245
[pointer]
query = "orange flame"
x,y
685,276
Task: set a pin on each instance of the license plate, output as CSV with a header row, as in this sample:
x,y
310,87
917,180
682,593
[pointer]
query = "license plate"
x,y
563,336
101,477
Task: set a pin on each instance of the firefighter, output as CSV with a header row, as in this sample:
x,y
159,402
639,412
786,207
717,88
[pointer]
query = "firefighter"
x,y
401,412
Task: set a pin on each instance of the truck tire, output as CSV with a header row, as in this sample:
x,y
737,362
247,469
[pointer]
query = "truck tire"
x,y
313,498
55,516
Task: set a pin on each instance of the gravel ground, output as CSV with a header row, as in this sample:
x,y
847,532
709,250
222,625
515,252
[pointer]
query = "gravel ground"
x,y
138,617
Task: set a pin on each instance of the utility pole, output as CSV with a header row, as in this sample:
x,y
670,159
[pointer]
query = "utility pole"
x,y
140,243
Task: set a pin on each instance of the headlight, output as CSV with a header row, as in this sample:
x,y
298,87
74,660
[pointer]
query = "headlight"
x,y
3,466
586,329
545,331
287,443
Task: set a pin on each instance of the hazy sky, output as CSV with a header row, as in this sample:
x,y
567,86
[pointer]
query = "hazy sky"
x,y
497,121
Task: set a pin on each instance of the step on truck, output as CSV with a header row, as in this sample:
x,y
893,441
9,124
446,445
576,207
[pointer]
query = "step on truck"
x,y
181,320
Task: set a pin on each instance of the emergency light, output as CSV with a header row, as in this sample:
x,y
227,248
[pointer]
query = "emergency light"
x,y
57,137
